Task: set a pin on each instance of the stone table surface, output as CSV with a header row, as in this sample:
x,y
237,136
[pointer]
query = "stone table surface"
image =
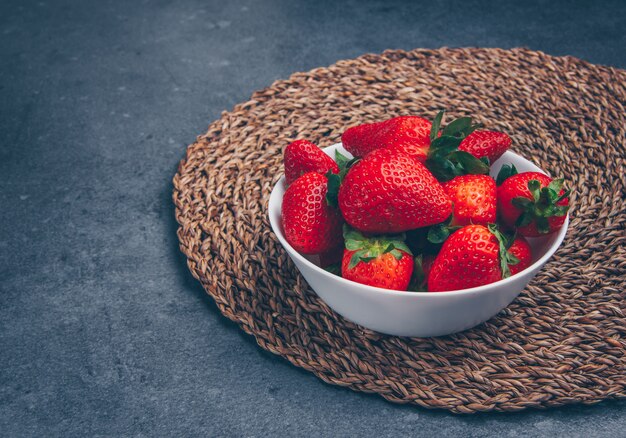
x,y
102,329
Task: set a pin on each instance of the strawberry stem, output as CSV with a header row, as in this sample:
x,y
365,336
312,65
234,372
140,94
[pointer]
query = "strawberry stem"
x,y
434,130
335,268
445,160
332,192
440,232
543,205
506,171
458,127
372,247
335,180
505,257
418,278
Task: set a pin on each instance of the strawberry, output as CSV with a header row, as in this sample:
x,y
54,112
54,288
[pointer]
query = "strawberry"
x,y
389,192
473,256
311,226
474,199
302,156
520,249
532,202
489,144
382,261
409,134
474,202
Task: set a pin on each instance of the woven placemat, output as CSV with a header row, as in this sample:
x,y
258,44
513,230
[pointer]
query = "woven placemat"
x,y
561,341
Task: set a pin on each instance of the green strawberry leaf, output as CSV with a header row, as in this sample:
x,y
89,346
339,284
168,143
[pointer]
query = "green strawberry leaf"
x,y
543,226
561,210
397,254
438,234
444,145
457,127
446,161
443,169
371,247
356,258
335,268
418,278
504,256
399,244
556,185
549,195
473,128
511,259
534,187
470,163
565,194
524,219
335,180
349,164
353,239
332,193
437,168
341,160
434,130
351,233
389,248
510,239
543,205
354,245
549,211
522,203
506,171
461,127
366,259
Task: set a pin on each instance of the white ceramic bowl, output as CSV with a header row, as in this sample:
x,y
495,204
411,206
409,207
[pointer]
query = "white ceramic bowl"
x,y
422,314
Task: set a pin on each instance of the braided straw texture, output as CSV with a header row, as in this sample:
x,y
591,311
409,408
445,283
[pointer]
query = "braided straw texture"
x,y
561,341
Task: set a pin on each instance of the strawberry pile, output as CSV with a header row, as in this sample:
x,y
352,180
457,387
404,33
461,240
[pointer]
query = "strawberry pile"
x,y
416,209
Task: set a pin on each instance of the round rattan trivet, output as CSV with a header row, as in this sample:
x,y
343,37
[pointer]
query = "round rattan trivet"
x,y
562,341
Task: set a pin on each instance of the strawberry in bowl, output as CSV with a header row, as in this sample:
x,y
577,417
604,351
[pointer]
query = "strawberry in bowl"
x,y
418,244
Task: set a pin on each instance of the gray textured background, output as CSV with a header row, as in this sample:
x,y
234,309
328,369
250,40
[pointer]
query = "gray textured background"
x,y
102,329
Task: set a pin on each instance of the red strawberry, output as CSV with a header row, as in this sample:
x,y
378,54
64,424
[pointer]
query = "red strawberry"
x,y
520,249
389,192
302,156
474,199
409,134
490,144
472,256
532,202
311,226
382,261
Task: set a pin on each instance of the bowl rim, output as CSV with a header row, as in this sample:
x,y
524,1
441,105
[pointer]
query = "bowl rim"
x,y
478,289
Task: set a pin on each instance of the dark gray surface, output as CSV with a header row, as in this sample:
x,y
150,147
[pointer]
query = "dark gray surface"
x,y
102,329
